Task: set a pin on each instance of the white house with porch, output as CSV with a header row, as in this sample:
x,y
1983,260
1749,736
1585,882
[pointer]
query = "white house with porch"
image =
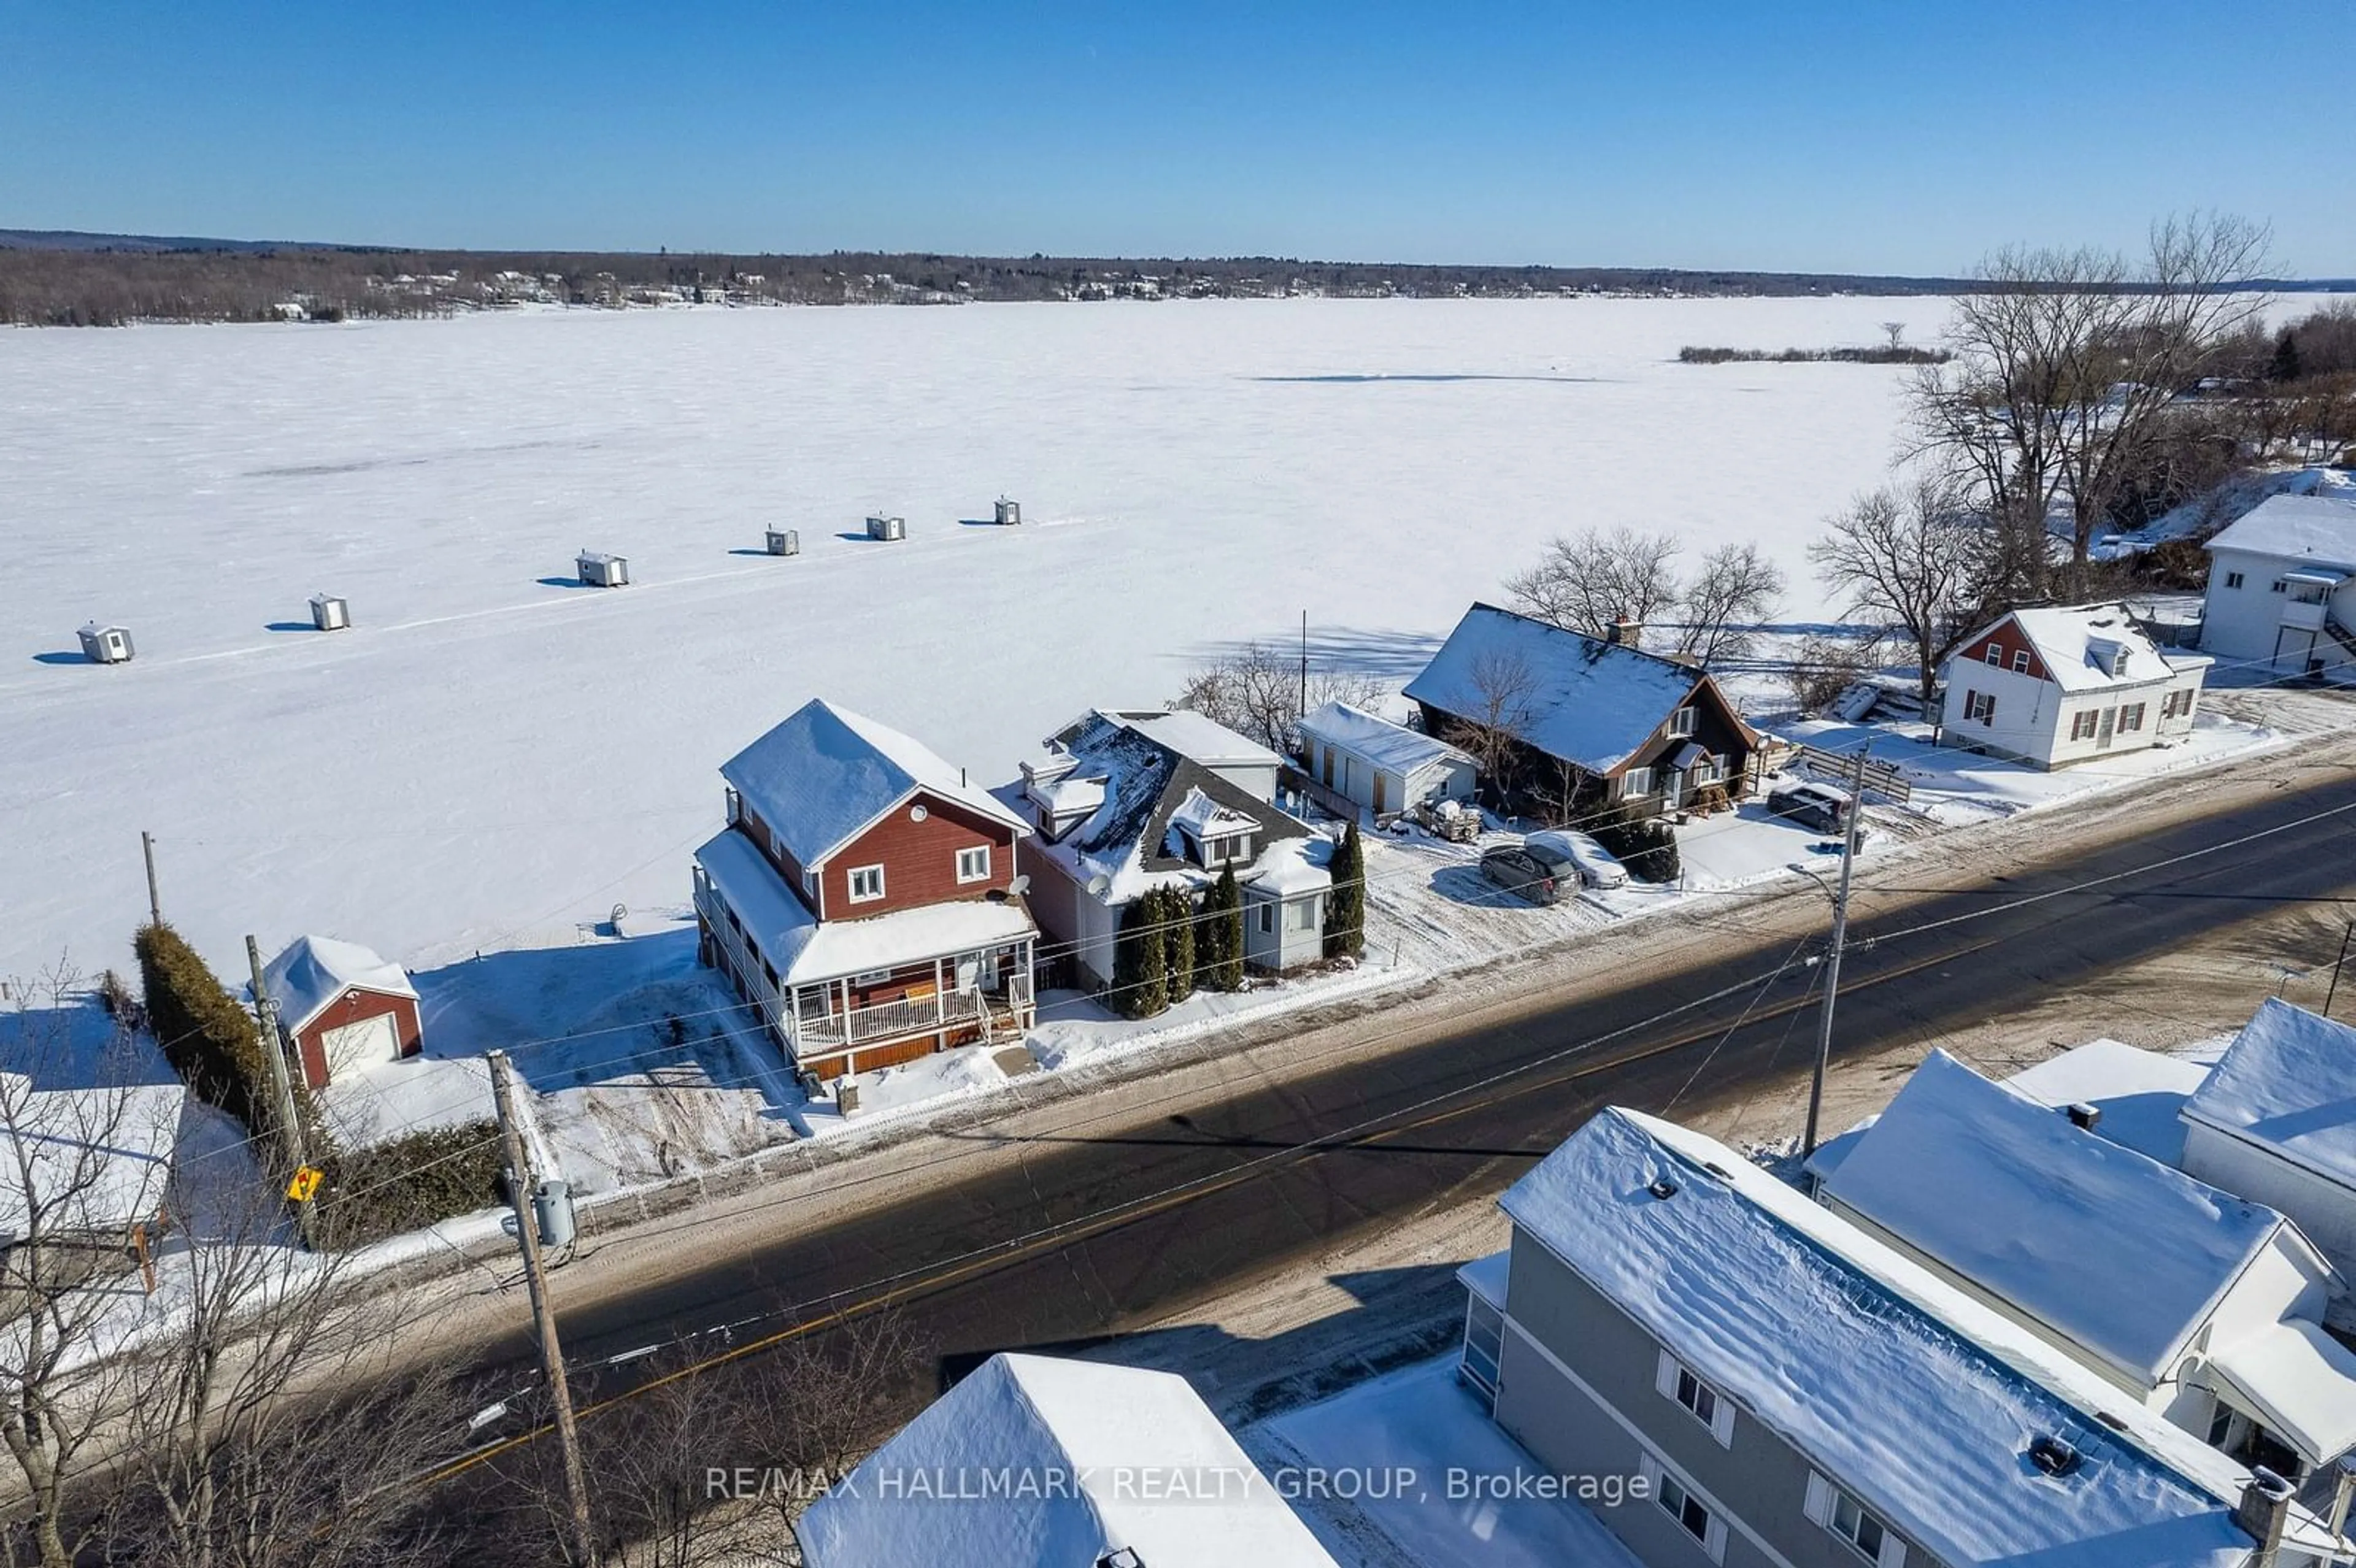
x,y
2282,585
864,897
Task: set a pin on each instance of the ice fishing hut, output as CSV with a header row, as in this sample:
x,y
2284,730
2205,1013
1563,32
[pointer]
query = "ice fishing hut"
x,y
887,529
1009,512
329,613
603,570
105,644
785,541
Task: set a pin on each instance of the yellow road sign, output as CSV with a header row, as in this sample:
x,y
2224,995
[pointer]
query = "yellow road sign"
x,y
307,1182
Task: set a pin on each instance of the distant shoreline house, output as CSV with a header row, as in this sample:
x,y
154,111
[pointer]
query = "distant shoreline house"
x,y
2282,585
341,1008
1586,718
864,897
2056,685
1124,803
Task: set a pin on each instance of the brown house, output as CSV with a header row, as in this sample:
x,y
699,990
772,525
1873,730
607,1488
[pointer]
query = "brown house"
x,y
1587,716
341,1008
862,897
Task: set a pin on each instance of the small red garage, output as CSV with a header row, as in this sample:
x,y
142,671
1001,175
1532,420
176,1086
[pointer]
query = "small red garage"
x,y
341,1008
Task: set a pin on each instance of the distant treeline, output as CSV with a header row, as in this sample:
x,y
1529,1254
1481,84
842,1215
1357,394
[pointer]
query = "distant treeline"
x,y
1885,355
50,279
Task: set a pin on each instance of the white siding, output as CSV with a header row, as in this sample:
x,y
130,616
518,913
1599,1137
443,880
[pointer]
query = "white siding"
x,y
2241,623
2323,1211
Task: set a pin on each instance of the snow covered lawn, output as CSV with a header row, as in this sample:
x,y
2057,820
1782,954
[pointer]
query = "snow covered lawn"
x,y
1954,787
1420,1419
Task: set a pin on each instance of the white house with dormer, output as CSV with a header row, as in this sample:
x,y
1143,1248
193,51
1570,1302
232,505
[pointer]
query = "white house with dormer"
x,y
2067,683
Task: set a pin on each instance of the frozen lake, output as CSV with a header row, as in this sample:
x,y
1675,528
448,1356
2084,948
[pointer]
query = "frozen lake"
x,y
490,756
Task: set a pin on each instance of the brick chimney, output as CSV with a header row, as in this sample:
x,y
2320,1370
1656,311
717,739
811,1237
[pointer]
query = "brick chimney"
x,y
2262,1513
1624,633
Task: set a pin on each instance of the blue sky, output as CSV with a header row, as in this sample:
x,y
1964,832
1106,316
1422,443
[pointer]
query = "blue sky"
x,y
1867,137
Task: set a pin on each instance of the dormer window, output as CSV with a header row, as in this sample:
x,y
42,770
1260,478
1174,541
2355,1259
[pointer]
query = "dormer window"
x,y
1682,722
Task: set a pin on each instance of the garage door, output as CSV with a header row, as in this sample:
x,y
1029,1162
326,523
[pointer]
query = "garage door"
x,y
359,1045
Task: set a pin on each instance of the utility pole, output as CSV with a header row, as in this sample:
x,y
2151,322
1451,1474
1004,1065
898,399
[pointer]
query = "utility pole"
x,y
552,1354
1854,826
1304,664
273,1053
2333,989
155,905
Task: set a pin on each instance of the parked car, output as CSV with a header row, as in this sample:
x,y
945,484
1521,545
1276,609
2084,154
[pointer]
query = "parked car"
x,y
1517,871
1576,855
1821,807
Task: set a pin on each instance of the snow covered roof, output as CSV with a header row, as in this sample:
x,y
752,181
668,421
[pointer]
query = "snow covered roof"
x,y
1292,866
1486,1277
2076,642
95,1158
2288,1081
1577,698
2138,1091
1377,738
1204,817
2317,529
826,774
1145,785
1080,1459
2113,1251
316,970
1916,1397
2297,1377
1198,739
803,949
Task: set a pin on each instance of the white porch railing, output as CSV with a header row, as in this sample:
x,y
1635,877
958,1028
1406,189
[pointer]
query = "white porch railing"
x,y
888,1020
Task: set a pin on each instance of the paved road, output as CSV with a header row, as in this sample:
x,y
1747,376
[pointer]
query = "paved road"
x,y
1271,1173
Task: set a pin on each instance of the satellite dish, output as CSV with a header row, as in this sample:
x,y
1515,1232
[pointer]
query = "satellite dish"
x,y
1021,885
1099,885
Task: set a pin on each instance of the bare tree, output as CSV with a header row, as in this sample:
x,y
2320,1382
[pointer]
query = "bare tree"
x,y
1736,589
1897,331
1495,726
81,1183
2067,363
1256,691
278,1417
711,1462
1913,557
1586,581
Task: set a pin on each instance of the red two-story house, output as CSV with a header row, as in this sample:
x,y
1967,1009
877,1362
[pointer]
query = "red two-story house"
x,y
862,897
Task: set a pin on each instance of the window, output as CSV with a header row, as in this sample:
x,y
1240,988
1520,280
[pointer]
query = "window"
x,y
1301,915
2232,579
1266,917
1979,707
1636,782
870,978
2178,704
1704,1403
2020,662
973,864
2130,716
1485,1343
1857,1526
1693,1516
2279,586
1682,722
1995,656
2082,724
866,884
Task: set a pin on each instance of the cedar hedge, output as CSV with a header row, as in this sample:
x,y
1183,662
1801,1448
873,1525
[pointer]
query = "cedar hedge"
x,y
410,1182
207,1036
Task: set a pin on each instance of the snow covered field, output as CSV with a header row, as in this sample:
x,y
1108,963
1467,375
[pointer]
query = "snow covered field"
x,y
490,758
